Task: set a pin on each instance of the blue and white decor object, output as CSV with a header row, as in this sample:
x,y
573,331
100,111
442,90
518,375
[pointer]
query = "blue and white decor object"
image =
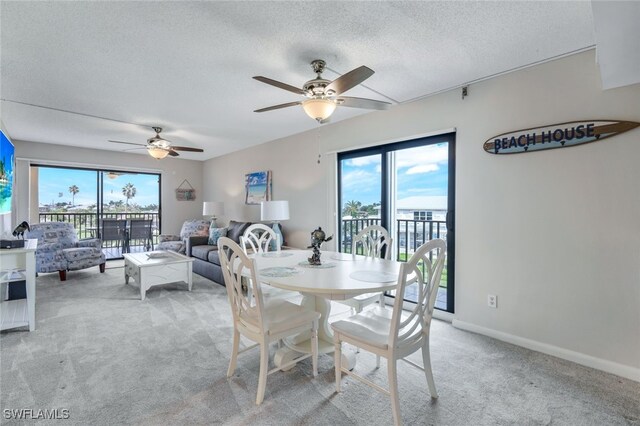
x,y
275,211
215,234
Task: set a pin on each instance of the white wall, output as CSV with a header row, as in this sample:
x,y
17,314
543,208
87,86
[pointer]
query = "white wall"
x,y
554,234
173,171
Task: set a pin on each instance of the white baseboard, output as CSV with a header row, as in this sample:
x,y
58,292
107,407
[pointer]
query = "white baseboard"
x,y
621,370
443,316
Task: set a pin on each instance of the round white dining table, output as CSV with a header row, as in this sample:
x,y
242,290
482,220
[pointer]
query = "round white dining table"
x,y
341,276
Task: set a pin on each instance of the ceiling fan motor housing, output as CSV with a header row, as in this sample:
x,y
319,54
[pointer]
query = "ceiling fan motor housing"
x,y
316,87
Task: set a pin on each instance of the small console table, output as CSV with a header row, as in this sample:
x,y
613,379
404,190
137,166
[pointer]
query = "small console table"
x,y
18,265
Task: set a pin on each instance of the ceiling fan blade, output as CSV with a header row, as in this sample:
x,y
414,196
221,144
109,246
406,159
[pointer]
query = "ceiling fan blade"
x,y
128,143
186,148
349,80
132,149
173,153
289,104
362,103
281,85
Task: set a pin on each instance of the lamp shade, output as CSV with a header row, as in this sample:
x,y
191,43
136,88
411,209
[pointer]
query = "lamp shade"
x,y
212,208
274,210
318,108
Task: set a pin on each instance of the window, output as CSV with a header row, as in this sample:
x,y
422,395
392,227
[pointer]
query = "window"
x,y
85,197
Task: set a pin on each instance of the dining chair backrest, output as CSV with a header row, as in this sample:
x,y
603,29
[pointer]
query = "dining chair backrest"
x,y
259,238
424,269
112,229
375,241
140,228
247,311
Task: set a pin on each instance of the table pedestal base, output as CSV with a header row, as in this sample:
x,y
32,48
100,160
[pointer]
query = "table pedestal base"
x,y
301,343
285,355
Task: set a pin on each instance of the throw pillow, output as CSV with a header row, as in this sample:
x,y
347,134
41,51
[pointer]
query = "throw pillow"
x,y
194,228
215,234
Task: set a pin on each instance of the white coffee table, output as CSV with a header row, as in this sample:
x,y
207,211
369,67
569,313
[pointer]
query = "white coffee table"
x,y
149,269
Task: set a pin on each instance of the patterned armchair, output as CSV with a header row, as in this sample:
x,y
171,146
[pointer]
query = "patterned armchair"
x,y
190,228
60,250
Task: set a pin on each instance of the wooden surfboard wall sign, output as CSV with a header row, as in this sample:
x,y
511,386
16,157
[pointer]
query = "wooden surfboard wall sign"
x,y
558,135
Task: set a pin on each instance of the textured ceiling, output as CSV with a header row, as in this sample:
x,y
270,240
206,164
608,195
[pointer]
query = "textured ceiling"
x,y
187,66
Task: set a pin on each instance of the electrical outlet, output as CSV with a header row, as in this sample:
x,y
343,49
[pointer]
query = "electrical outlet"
x,y
492,301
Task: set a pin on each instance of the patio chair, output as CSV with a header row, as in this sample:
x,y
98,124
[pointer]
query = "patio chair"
x,y
259,321
140,229
59,249
114,230
397,334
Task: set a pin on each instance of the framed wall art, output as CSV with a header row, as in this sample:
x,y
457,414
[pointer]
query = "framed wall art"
x,y
185,192
257,187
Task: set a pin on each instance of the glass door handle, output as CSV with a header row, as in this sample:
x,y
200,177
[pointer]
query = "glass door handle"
x,y
449,221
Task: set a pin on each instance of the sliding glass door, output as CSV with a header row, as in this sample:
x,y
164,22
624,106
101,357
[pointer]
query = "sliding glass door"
x,y
408,188
91,199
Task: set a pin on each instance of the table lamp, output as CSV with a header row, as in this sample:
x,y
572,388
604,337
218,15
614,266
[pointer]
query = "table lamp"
x,y
213,209
275,211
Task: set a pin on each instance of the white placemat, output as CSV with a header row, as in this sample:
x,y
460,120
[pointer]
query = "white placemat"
x,y
325,265
373,276
343,256
279,272
276,254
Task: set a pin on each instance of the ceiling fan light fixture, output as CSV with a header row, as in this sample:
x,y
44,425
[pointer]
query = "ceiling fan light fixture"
x,y
318,108
157,153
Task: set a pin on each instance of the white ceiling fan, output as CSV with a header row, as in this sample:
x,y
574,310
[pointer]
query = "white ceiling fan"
x,y
323,96
159,147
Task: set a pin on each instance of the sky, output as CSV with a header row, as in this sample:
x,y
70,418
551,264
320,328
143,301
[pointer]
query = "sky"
x,y
53,181
421,171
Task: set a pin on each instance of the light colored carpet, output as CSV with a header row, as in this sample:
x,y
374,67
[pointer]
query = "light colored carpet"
x,y
112,359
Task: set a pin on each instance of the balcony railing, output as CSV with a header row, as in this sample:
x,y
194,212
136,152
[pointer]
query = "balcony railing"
x,y
87,224
410,234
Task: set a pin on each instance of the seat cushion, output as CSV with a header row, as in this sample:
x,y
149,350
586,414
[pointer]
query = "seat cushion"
x,y
202,252
81,253
214,257
279,316
236,229
371,327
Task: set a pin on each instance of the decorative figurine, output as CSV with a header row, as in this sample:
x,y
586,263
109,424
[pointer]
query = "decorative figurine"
x,y
317,238
19,231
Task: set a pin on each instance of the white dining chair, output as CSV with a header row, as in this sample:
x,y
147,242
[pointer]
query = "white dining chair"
x,y
375,241
259,321
260,239
396,334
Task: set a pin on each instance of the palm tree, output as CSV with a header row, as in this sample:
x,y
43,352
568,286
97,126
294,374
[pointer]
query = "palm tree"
x,y
128,191
73,189
351,208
